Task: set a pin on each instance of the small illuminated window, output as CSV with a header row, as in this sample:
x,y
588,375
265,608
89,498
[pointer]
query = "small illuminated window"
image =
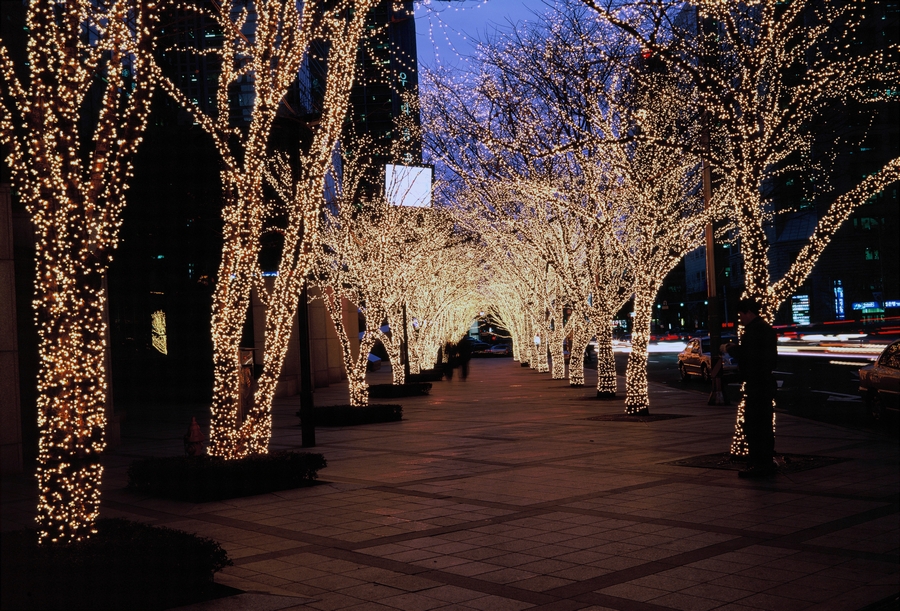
x,y
158,331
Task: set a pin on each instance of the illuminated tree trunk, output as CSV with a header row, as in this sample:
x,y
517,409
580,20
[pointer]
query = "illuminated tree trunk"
x,y
355,367
580,339
231,301
606,361
264,50
529,346
520,353
430,353
556,336
637,400
522,343
412,349
71,390
755,250
281,312
393,347
356,376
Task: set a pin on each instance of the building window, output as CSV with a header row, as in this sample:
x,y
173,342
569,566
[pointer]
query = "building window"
x,y
872,254
865,222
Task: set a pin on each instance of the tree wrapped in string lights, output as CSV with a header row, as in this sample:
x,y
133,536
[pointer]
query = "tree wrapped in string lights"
x,y
564,114
663,219
504,306
534,245
442,303
266,43
377,256
768,74
86,66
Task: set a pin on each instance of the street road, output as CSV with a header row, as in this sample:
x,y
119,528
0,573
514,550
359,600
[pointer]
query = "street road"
x,y
816,387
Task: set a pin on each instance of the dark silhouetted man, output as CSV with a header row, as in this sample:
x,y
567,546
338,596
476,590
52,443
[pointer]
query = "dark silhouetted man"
x,y
756,356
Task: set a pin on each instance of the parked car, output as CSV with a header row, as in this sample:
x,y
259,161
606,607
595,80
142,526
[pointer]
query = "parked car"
x,y
879,382
695,360
475,346
669,336
500,349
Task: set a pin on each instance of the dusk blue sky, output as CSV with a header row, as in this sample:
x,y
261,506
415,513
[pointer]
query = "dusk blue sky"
x,y
444,28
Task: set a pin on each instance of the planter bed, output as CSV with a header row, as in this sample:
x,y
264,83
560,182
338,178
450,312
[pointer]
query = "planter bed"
x,y
393,391
429,375
206,478
348,415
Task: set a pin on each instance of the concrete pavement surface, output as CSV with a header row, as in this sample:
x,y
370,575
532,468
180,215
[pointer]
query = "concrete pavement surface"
x,y
499,492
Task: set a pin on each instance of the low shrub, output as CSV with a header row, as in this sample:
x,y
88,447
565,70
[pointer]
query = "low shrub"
x,y
349,415
208,478
125,565
393,391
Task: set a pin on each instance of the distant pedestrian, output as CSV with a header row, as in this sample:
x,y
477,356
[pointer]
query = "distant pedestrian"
x,y
465,354
449,360
756,356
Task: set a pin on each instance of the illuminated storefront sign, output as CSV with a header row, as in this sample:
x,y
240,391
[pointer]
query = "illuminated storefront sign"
x,y
800,309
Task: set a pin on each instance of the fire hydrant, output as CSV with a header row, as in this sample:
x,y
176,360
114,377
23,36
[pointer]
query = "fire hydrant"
x,y
193,439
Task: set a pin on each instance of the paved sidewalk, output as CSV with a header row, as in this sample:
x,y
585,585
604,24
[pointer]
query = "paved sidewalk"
x,y
498,493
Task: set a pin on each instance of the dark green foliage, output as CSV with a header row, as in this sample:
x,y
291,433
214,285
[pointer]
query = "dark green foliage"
x,y
207,478
392,391
348,415
125,565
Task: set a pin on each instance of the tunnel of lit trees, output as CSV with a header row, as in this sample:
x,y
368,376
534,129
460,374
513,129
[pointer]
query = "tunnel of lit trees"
x,y
574,158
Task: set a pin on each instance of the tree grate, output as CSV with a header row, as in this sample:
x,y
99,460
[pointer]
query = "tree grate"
x,y
787,463
635,417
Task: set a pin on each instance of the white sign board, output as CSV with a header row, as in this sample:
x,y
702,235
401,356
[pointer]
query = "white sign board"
x,y
407,185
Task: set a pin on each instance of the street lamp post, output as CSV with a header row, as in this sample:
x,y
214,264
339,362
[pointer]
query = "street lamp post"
x,y
307,408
